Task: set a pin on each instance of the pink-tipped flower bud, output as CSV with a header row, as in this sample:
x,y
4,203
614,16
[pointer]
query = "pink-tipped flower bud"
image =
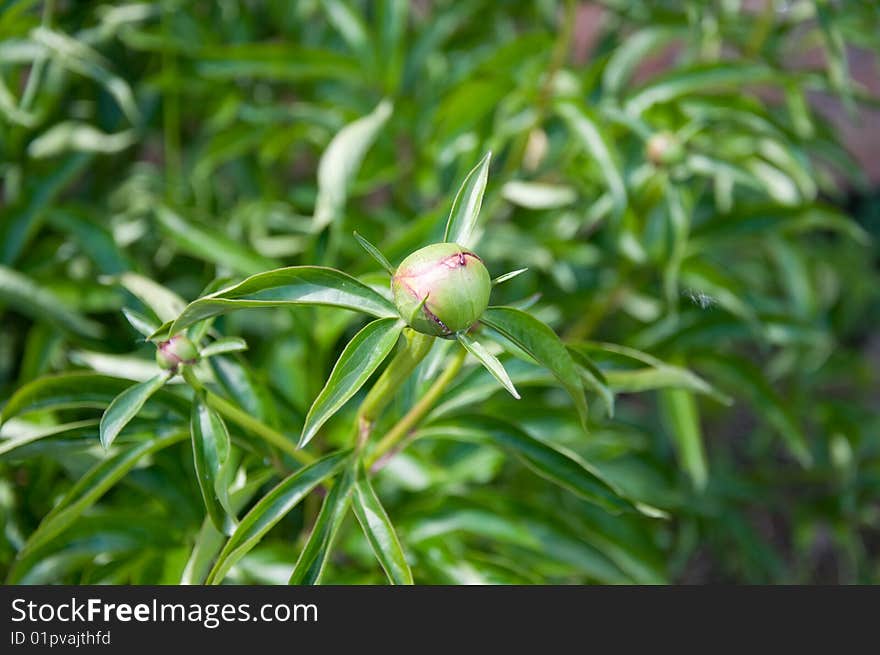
x,y
441,289
176,351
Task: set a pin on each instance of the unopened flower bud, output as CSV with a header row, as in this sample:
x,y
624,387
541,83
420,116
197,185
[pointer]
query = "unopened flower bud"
x,y
176,351
664,149
441,289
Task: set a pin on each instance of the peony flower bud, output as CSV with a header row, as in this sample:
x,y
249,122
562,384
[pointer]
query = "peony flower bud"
x,y
176,351
664,149
441,289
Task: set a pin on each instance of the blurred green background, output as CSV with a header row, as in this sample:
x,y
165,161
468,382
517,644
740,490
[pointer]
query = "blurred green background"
x,y
696,180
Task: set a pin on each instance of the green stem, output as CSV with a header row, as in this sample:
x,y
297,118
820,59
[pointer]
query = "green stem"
x,y
418,411
171,122
246,421
404,362
36,74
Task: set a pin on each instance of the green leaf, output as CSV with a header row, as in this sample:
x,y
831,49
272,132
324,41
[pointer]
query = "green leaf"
x,y
632,52
211,450
341,160
29,298
536,195
745,378
730,75
679,409
660,375
295,285
126,406
165,303
508,276
489,361
146,326
21,222
550,461
89,488
375,253
209,541
10,441
271,508
587,129
211,245
310,563
358,361
466,206
541,343
224,345
379,531
76,136
79,390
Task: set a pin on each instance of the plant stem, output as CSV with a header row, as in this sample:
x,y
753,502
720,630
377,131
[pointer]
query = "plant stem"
x,y
36,74
246,421
418,411
404,362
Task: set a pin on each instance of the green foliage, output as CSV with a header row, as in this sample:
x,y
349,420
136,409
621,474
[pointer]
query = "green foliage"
x,y
675,382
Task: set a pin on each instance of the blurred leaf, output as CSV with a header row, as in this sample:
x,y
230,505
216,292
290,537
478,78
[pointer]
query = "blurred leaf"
x,y
211,246
745,378
680,411
29,298
73,136
76,390
586,127
552,462
223,345
88,489
535,195
341,161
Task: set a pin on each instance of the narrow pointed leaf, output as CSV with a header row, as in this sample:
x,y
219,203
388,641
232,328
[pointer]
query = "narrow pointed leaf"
x,y
224,345
209,541
508,276
211,245
146,326
32,299
679,409
295,285
541,343
211,450
79,390
358,361
310,563
375,253
586,128
10,441
550,461
126,406
90,487
488,360
379,531
165,303
272,508
466,206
